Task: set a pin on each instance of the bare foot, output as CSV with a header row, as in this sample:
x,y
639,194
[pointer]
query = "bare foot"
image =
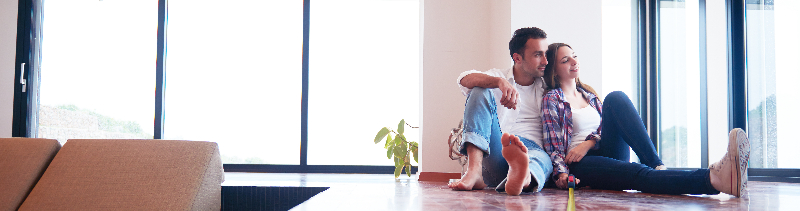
x,y
473,178
516,154
470,181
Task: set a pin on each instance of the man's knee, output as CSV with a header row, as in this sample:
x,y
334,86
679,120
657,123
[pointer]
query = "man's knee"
x,y
480,93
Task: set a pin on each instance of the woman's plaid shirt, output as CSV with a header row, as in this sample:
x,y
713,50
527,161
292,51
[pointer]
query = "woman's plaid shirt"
x,y
557,126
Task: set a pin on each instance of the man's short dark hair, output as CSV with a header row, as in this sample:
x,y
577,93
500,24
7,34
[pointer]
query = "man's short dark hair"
x,y
521,36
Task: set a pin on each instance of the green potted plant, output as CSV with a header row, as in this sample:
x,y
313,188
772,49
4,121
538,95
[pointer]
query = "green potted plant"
x,y
398,147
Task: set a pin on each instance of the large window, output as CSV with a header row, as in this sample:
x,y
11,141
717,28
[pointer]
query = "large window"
x,y
772,74
363,76
96,70
692,82
234,77
679,82
717,83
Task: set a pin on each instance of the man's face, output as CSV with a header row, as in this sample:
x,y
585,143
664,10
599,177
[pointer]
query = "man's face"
x,y
533,61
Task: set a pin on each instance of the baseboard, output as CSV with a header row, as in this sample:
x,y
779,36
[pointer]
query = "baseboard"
x,y
438,176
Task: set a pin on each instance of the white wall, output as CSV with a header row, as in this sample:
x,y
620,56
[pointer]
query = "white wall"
x,y
8,40
458,36
574,22
474,34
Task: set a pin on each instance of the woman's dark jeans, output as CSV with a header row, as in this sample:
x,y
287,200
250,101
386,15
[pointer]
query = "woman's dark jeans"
x,y
609,167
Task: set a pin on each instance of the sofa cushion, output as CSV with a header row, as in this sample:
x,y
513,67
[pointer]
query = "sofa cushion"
x,y
130,175
22,162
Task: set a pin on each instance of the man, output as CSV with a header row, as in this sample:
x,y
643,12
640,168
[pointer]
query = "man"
x,y
502,122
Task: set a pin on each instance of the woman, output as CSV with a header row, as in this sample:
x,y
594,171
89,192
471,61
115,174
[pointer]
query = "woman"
x,y
589,140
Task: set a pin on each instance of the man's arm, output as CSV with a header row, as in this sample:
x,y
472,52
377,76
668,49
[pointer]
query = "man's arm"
x,y
510,95
481,80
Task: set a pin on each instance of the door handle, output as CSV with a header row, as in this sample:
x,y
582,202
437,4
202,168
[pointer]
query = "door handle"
x,y
22,77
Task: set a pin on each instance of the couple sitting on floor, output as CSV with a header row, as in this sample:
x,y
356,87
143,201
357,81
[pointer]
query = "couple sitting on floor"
x,y
536,121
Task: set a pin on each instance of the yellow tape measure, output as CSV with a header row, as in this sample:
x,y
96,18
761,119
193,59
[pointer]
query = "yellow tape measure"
x,y
571,185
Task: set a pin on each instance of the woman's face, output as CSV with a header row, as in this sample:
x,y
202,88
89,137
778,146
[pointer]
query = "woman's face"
x,y
567,65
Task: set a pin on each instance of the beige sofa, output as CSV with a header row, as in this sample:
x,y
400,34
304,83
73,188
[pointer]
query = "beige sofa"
x,y
129,175
22,162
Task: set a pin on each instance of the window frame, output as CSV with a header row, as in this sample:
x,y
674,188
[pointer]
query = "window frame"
x,y
22,122
737,81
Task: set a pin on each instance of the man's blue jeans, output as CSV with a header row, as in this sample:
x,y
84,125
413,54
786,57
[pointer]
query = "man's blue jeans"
x,y
609,167
482,129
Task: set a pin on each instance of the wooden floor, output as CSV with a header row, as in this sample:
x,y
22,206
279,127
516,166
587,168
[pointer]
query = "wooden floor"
x,y
383,192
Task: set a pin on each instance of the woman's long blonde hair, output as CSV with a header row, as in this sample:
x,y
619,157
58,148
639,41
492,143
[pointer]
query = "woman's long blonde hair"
x,y
550,77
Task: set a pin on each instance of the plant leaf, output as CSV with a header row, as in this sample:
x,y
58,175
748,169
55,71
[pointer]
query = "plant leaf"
x,y
397,170
408,170
389,152
398,152
402,138
401,151
414,151
389,142
414,148
399,139
401,126
383,132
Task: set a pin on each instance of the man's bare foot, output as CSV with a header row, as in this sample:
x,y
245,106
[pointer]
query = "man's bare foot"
x,y
516,154
473,179
469,182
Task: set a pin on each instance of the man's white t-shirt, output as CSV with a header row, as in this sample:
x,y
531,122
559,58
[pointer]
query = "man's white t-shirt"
x,y
526,120
529,120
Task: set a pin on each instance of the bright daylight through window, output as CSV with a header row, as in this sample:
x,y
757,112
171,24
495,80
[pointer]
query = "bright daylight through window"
x,y
234,77
363,76
97,74
772,75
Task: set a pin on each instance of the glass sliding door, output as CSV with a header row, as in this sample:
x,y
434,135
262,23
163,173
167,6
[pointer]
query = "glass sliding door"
x,y
234,77
717,75
679,80
772,31
97,75
363,76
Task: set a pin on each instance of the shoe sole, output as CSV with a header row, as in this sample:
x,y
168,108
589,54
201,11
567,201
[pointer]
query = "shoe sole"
x,y
742,148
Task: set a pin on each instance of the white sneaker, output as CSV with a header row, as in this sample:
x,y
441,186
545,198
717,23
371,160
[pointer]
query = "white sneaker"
x,y
731,170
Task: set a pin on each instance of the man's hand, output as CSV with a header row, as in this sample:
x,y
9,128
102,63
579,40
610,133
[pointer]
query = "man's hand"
x,y
563,180
510,94
577,153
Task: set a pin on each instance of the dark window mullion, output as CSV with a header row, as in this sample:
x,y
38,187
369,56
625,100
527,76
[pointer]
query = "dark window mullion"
x,y
161,51
737,69
703,86
641,48
20,125
304,98
654,43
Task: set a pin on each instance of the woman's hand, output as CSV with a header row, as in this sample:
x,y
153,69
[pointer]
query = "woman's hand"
x,y
577,153
563,181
